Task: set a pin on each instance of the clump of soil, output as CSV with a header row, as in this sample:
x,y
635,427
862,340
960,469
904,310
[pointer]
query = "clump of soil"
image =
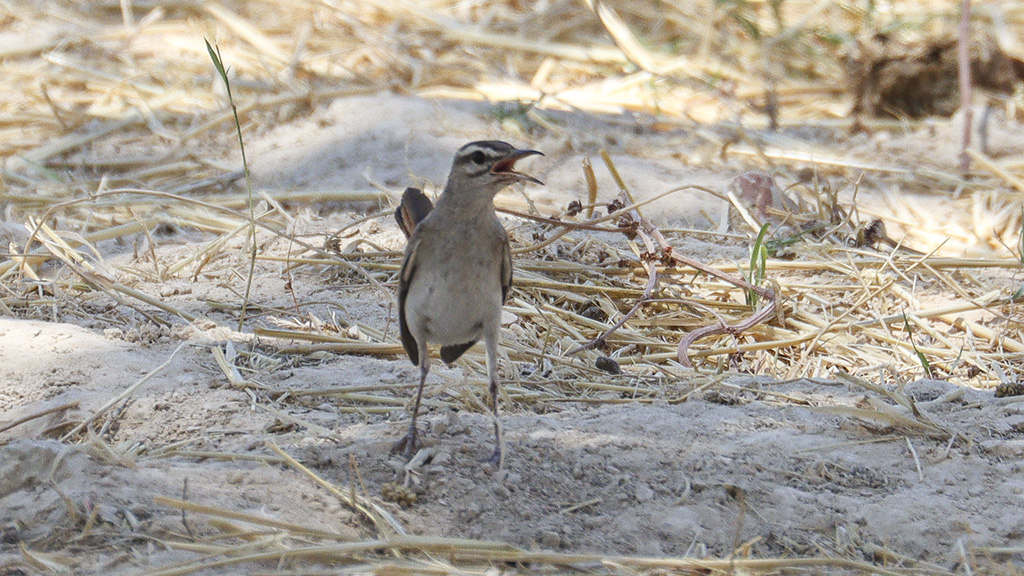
x,y
891,74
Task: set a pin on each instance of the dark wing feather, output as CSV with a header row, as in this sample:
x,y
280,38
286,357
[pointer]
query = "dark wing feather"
x,y
451,353
413,208
506,269
404,278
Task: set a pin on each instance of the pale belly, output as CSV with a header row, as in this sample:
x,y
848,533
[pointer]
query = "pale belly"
x,y
456,302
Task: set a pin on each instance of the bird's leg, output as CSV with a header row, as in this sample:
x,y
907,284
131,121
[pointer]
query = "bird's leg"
x,y
408,444
492,371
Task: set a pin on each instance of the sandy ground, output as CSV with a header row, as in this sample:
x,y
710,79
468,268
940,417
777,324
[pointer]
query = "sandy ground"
x,y
704,468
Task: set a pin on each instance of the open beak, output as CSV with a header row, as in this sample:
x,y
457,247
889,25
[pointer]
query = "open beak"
x,y
506,166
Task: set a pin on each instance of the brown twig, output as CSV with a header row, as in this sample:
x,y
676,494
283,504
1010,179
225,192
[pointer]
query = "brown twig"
x,y
635,222
558,222
652,280
631,220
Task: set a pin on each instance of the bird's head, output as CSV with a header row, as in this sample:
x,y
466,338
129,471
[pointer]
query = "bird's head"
x,y
488,165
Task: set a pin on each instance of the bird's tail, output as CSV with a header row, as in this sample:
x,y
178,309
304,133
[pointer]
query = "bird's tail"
x,y
412,210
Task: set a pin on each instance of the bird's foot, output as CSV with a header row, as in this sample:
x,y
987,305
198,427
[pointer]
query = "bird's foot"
x,y
496,458
408,445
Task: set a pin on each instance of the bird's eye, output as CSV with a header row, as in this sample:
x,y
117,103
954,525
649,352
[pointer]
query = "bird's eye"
x,y
477,157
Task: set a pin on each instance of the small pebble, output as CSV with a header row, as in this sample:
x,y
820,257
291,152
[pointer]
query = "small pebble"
x,y
442,458
550,540
440,428
644,493
608,365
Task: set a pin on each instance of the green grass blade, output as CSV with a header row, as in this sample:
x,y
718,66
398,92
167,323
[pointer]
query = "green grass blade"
x,y
218,63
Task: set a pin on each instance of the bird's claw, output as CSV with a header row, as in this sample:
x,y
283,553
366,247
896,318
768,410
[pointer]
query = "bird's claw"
x,y
495,458
407,446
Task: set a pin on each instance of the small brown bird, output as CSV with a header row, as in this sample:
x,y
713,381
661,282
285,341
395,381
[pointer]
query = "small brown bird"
x,y
458,268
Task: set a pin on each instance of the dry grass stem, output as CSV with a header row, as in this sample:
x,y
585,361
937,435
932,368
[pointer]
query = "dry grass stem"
x,y
383,521
125,394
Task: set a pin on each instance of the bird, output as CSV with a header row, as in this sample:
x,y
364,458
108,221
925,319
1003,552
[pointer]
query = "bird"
x,y
457,270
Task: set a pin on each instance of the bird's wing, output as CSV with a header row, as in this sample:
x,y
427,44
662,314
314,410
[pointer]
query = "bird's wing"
x,y
452,353
404,280
506,268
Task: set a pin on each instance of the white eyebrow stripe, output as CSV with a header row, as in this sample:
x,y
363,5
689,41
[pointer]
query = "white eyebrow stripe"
x,y
492,150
